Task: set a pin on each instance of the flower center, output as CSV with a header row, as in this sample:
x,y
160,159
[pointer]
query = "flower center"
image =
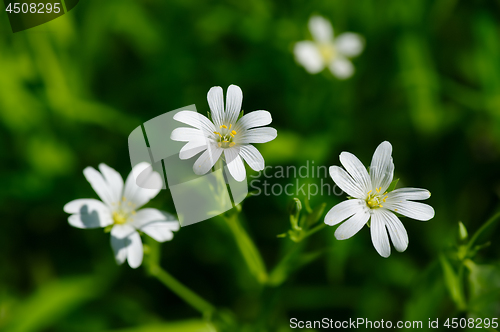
x,y
225,136
327,51
122,214
375,200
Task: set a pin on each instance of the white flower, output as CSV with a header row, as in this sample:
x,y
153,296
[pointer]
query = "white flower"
x,y
226,134
119,209
370,200
325,51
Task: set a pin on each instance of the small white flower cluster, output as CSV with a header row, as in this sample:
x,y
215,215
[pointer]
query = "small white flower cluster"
x,y
119,205
229,137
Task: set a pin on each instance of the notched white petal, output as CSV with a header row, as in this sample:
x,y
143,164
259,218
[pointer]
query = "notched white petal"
x,y
235,164
352,225
344,210
88,213
357,170
379,236
253,157
346,182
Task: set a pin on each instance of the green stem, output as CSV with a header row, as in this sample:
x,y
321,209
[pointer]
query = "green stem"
x,y
481,229
182,291
247,248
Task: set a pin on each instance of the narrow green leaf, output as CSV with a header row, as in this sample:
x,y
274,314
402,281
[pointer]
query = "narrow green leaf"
x,y
392,186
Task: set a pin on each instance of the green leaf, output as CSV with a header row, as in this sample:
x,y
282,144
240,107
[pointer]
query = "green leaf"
x,y
452,283
191,325
315,215
392,186
462,232
52,302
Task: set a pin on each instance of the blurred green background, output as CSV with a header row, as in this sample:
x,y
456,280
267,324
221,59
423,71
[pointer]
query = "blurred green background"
x,y
73,89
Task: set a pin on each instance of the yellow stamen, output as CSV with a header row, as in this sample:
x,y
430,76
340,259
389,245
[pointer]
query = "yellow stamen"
x,y
219,144
231,135
369,202
231,144
380,205
225,141
378,189
369,192
119,218
385,198
223,126
217,133
395,209
230,125
234,132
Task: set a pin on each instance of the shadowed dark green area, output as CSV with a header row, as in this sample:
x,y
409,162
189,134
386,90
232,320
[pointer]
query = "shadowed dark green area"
x,y
73,89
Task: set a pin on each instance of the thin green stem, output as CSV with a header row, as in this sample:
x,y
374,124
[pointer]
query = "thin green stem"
x,y
182,291
247,248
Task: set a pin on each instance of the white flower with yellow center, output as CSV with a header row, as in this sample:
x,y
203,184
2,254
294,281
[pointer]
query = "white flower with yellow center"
x,y
119,209
227,134
325,51
370,200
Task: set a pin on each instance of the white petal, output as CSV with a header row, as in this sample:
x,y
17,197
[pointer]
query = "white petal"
x,y
114,180
352,225
234,98
341,68
88,213
257,135
380,239
414,210
346,182
136,194
145,216
308,55
196,120
134,250
382,167
321,29
122,231
192,148
415,194
120,241
349,44
344,210
397,231
252,156
357,170
100,186
119,246
253,119
157,224
207,159
216,102
235,164
184,134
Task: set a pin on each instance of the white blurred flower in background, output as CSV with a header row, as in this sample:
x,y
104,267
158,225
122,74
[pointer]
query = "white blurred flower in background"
x,y
326,51
119,209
